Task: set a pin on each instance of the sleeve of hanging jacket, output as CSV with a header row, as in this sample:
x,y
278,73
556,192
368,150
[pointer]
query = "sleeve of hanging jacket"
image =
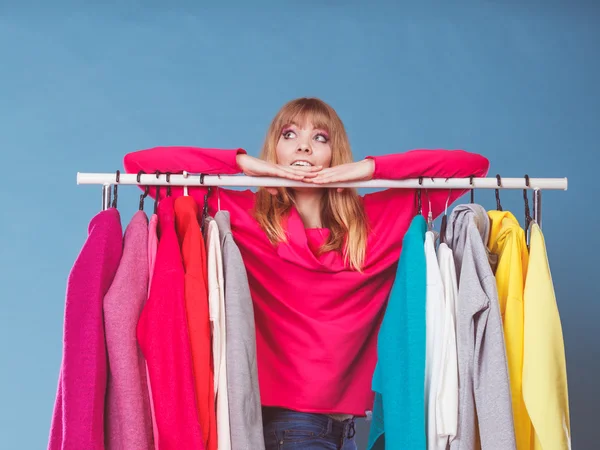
x,y
438,163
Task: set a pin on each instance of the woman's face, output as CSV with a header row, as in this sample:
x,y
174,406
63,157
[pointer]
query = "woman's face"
x,y
303,145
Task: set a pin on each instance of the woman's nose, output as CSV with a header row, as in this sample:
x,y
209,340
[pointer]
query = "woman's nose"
x,y
304,148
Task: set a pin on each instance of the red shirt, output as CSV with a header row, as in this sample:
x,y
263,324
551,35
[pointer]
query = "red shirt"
x,y
196,305
317,320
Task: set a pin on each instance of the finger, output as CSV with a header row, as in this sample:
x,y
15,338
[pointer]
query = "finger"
x,y
272,190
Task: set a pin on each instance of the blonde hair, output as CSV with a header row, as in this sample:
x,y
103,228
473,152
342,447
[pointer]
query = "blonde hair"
x,y
341,212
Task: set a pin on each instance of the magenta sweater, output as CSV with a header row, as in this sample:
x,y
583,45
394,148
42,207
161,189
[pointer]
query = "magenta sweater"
x,y
78,419
317,320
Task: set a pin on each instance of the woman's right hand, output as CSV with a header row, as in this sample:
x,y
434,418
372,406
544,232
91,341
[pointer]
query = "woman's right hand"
x,y
256,167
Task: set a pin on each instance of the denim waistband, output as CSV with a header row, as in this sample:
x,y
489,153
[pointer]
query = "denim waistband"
x,y
335,428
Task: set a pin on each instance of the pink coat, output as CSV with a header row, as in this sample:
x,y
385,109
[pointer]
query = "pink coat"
x,y
78,419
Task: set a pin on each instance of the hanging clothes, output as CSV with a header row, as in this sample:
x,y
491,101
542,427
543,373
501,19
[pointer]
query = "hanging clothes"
x,y
507,242
545,388
216,303
485,412
399,409
436,347
245,412
78,417
152,249
434,343
447,391
339,325
163,336
193,253
128,424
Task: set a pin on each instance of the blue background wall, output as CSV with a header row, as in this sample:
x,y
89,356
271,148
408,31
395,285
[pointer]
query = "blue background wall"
x,y
82,86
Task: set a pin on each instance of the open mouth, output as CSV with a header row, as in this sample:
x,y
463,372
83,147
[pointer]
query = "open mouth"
x,y
301,163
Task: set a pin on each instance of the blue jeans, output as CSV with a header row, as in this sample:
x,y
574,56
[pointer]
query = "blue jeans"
x,y
284,429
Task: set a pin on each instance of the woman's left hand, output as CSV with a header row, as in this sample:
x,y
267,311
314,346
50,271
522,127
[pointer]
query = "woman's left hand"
x,y
356,171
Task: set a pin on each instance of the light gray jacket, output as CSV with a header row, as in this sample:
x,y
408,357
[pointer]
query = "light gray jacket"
x,y
245,413
485,417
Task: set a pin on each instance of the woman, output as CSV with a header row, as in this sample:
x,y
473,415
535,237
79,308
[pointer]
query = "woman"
x,y
320,261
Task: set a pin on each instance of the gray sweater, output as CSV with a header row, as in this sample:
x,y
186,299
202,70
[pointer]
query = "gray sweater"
x,y
485,417
245,413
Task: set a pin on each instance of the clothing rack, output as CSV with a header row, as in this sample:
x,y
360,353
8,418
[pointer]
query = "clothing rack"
x,y
107,180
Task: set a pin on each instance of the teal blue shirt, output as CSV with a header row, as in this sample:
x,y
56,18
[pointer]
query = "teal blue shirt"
x,y
399,377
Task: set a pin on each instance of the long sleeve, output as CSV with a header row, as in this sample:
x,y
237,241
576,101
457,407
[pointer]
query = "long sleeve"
x,y
175,160
436,163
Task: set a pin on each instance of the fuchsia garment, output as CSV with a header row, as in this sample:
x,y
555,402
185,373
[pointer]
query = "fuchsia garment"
x,y
128,422
163,336
317,320
78,419
152,249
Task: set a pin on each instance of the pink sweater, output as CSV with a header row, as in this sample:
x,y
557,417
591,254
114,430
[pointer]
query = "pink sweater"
x,y
162,333
316,320
128,422
78,419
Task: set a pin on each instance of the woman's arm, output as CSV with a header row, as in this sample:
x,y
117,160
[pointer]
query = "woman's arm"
x,y
431,164
411,164
208,161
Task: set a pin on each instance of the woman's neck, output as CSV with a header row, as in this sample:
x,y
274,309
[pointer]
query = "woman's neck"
x,y
308,203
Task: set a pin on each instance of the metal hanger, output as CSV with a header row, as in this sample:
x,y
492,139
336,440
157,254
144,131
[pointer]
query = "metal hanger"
x,y
168,176
419,208
205,207
146,190
115,189
472,188
498,205
444,223
157,173
528,218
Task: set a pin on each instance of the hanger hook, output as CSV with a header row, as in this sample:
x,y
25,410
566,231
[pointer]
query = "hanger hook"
x,y
157,173
419,208
528,218
168,175
115,188
146,190
471,178
499,181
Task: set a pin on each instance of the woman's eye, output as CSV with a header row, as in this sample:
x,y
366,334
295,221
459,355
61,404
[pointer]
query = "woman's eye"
x,y
322,138
288,134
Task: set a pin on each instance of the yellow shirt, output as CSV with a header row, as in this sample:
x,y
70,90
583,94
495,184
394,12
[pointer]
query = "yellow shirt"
x,y
544,368
507,241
